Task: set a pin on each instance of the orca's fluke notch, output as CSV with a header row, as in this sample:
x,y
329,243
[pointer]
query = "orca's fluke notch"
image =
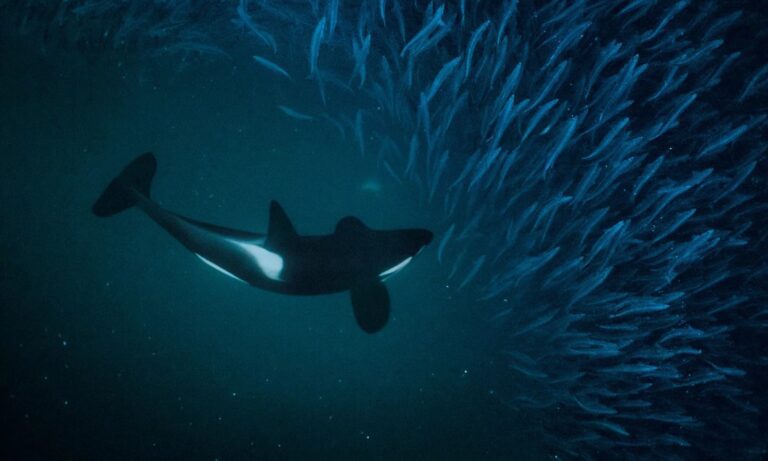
x,y
118,195
371,305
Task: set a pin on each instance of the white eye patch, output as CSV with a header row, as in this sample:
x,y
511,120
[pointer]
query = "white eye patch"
x,y
396,267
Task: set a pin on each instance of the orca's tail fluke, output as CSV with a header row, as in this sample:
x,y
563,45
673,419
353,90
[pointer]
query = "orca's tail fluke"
x,y
121,192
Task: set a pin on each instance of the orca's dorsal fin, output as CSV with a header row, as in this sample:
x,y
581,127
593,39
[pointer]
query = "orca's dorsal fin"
x,y
350,225
280,232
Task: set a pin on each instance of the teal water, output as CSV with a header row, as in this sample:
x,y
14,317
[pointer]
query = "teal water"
x,y
117,343
594,173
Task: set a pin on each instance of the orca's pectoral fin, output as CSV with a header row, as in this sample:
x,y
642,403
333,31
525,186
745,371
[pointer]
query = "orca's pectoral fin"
x,y
370,302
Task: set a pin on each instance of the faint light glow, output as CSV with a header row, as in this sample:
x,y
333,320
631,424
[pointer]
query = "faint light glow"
x,y
219,268
271,264
396,268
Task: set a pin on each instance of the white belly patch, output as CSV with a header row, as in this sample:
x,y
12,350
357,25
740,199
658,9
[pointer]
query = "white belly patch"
x,y
271,264
219,268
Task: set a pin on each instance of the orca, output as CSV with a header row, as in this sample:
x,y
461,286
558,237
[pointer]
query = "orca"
x,y
353,258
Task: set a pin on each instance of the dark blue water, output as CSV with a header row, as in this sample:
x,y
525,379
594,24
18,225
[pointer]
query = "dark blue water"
x,y
596,288
118,343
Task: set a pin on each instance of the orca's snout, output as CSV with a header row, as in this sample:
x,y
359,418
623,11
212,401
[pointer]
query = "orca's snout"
x,y
420,238
412,241
427,237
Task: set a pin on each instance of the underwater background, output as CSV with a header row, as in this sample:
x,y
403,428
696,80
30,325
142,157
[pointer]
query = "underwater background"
x,y
594,173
